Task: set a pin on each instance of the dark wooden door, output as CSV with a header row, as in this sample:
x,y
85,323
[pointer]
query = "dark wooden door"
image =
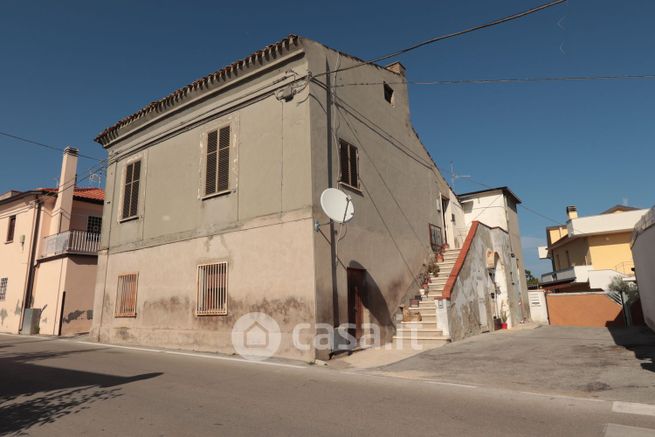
x,y
356,290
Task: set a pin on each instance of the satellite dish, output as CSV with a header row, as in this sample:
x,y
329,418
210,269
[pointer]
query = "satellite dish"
x,y
337,205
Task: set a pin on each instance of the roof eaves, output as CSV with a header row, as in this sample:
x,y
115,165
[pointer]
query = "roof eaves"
x,y
181,94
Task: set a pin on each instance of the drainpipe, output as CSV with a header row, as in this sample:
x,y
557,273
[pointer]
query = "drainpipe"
x,y
27,294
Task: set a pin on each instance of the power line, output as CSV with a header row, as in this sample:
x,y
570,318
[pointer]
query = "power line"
x,y
508,80
512,17
47,146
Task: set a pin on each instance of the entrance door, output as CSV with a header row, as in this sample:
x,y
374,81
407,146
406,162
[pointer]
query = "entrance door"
x,y
444,213
356,290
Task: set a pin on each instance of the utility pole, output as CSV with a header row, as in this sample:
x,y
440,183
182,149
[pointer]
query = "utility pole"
x,y
333,252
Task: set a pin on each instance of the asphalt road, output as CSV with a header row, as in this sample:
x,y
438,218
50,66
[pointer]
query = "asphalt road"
x,y
57,387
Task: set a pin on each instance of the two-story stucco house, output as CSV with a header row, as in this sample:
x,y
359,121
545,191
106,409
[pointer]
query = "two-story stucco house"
x,y
212,205
48,253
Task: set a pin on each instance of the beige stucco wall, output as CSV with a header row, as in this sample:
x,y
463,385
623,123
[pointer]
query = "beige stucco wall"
x,y
270,270
399,190
263,227
14,259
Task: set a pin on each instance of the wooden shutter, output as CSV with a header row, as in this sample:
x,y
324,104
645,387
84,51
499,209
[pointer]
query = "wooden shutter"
x,y
217,174
354,176
224,159
131,189
136,176
212,160
344,175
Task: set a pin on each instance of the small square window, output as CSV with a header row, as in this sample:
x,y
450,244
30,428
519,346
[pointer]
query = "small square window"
x,y
388,93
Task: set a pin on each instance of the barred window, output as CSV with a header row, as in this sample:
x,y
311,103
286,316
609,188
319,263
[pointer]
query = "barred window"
x,y
348,164
217,172
126,295
212,290
131,190
3,288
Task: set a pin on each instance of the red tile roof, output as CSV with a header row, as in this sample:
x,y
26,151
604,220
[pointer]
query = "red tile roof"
x,y
161,105
88,193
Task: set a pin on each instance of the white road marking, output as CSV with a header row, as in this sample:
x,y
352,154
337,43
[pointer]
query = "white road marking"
x,y
614,430
453,384
571,398
633,408
190,354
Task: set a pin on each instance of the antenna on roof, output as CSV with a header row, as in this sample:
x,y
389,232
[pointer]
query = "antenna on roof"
x,y
454,176
97,178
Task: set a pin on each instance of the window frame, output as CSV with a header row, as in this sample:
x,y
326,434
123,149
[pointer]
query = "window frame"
x,y
124,189
4,285
204,147
119,296
348,183
216,311
11,229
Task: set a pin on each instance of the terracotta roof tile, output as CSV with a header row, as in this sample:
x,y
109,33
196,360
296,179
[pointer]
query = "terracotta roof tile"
x,y
88,193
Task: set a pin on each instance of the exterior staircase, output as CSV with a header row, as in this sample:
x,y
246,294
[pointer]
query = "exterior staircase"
x,y
425,332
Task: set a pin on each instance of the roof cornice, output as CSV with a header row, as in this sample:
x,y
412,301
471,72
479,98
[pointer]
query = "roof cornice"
x,y
179,96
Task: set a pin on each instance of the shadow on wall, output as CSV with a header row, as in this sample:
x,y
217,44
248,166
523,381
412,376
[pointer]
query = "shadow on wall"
x,y
373,300
638,339
33,394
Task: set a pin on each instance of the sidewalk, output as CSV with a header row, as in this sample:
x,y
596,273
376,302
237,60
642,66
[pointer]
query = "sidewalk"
x,y
583,362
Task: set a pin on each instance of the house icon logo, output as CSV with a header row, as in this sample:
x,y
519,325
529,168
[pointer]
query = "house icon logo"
x,y
256,336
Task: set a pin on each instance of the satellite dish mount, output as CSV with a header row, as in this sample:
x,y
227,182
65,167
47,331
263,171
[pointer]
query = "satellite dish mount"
x,y
337,205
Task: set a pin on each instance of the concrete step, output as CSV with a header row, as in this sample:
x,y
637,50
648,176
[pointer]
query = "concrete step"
x,y
427,334
423,343
433,294
419,325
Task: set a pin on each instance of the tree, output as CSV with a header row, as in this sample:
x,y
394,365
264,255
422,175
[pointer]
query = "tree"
x,y
532,281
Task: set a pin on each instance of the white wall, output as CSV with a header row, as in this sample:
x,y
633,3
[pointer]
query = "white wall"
x,y
643,252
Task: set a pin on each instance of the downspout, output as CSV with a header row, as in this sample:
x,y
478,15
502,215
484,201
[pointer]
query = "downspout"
x,y
27,294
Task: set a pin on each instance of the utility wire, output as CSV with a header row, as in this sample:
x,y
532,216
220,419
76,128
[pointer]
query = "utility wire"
x,y
47,146
450,35
508,80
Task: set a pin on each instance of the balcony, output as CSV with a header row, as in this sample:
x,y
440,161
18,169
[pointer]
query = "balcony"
x,y
70,243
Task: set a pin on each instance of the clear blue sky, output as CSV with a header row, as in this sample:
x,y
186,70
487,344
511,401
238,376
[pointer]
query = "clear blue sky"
x,y
68,69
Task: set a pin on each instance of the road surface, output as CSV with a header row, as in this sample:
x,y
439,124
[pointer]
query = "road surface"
x,y
55,387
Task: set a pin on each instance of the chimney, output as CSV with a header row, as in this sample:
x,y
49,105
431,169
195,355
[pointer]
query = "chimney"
x,y
571,212
397,68
61,214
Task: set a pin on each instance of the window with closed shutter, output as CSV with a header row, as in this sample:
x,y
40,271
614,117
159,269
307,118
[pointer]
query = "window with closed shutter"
x,y
217,173
131,190
348,164
11,229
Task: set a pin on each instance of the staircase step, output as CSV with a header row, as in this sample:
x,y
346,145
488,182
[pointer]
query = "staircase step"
x,y
419,326
419,334
406,343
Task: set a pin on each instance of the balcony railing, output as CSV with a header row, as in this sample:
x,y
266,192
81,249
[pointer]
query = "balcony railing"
x,y
71,242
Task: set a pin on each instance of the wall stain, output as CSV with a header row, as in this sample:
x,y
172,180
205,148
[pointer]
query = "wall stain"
x,y
3,316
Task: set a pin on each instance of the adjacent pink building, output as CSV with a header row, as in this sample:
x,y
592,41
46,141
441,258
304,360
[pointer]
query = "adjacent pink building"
x,y
48,254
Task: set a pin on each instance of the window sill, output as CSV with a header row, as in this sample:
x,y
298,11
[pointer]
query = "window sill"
x,y
351,188
124,316
128,219
9,241
219,194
